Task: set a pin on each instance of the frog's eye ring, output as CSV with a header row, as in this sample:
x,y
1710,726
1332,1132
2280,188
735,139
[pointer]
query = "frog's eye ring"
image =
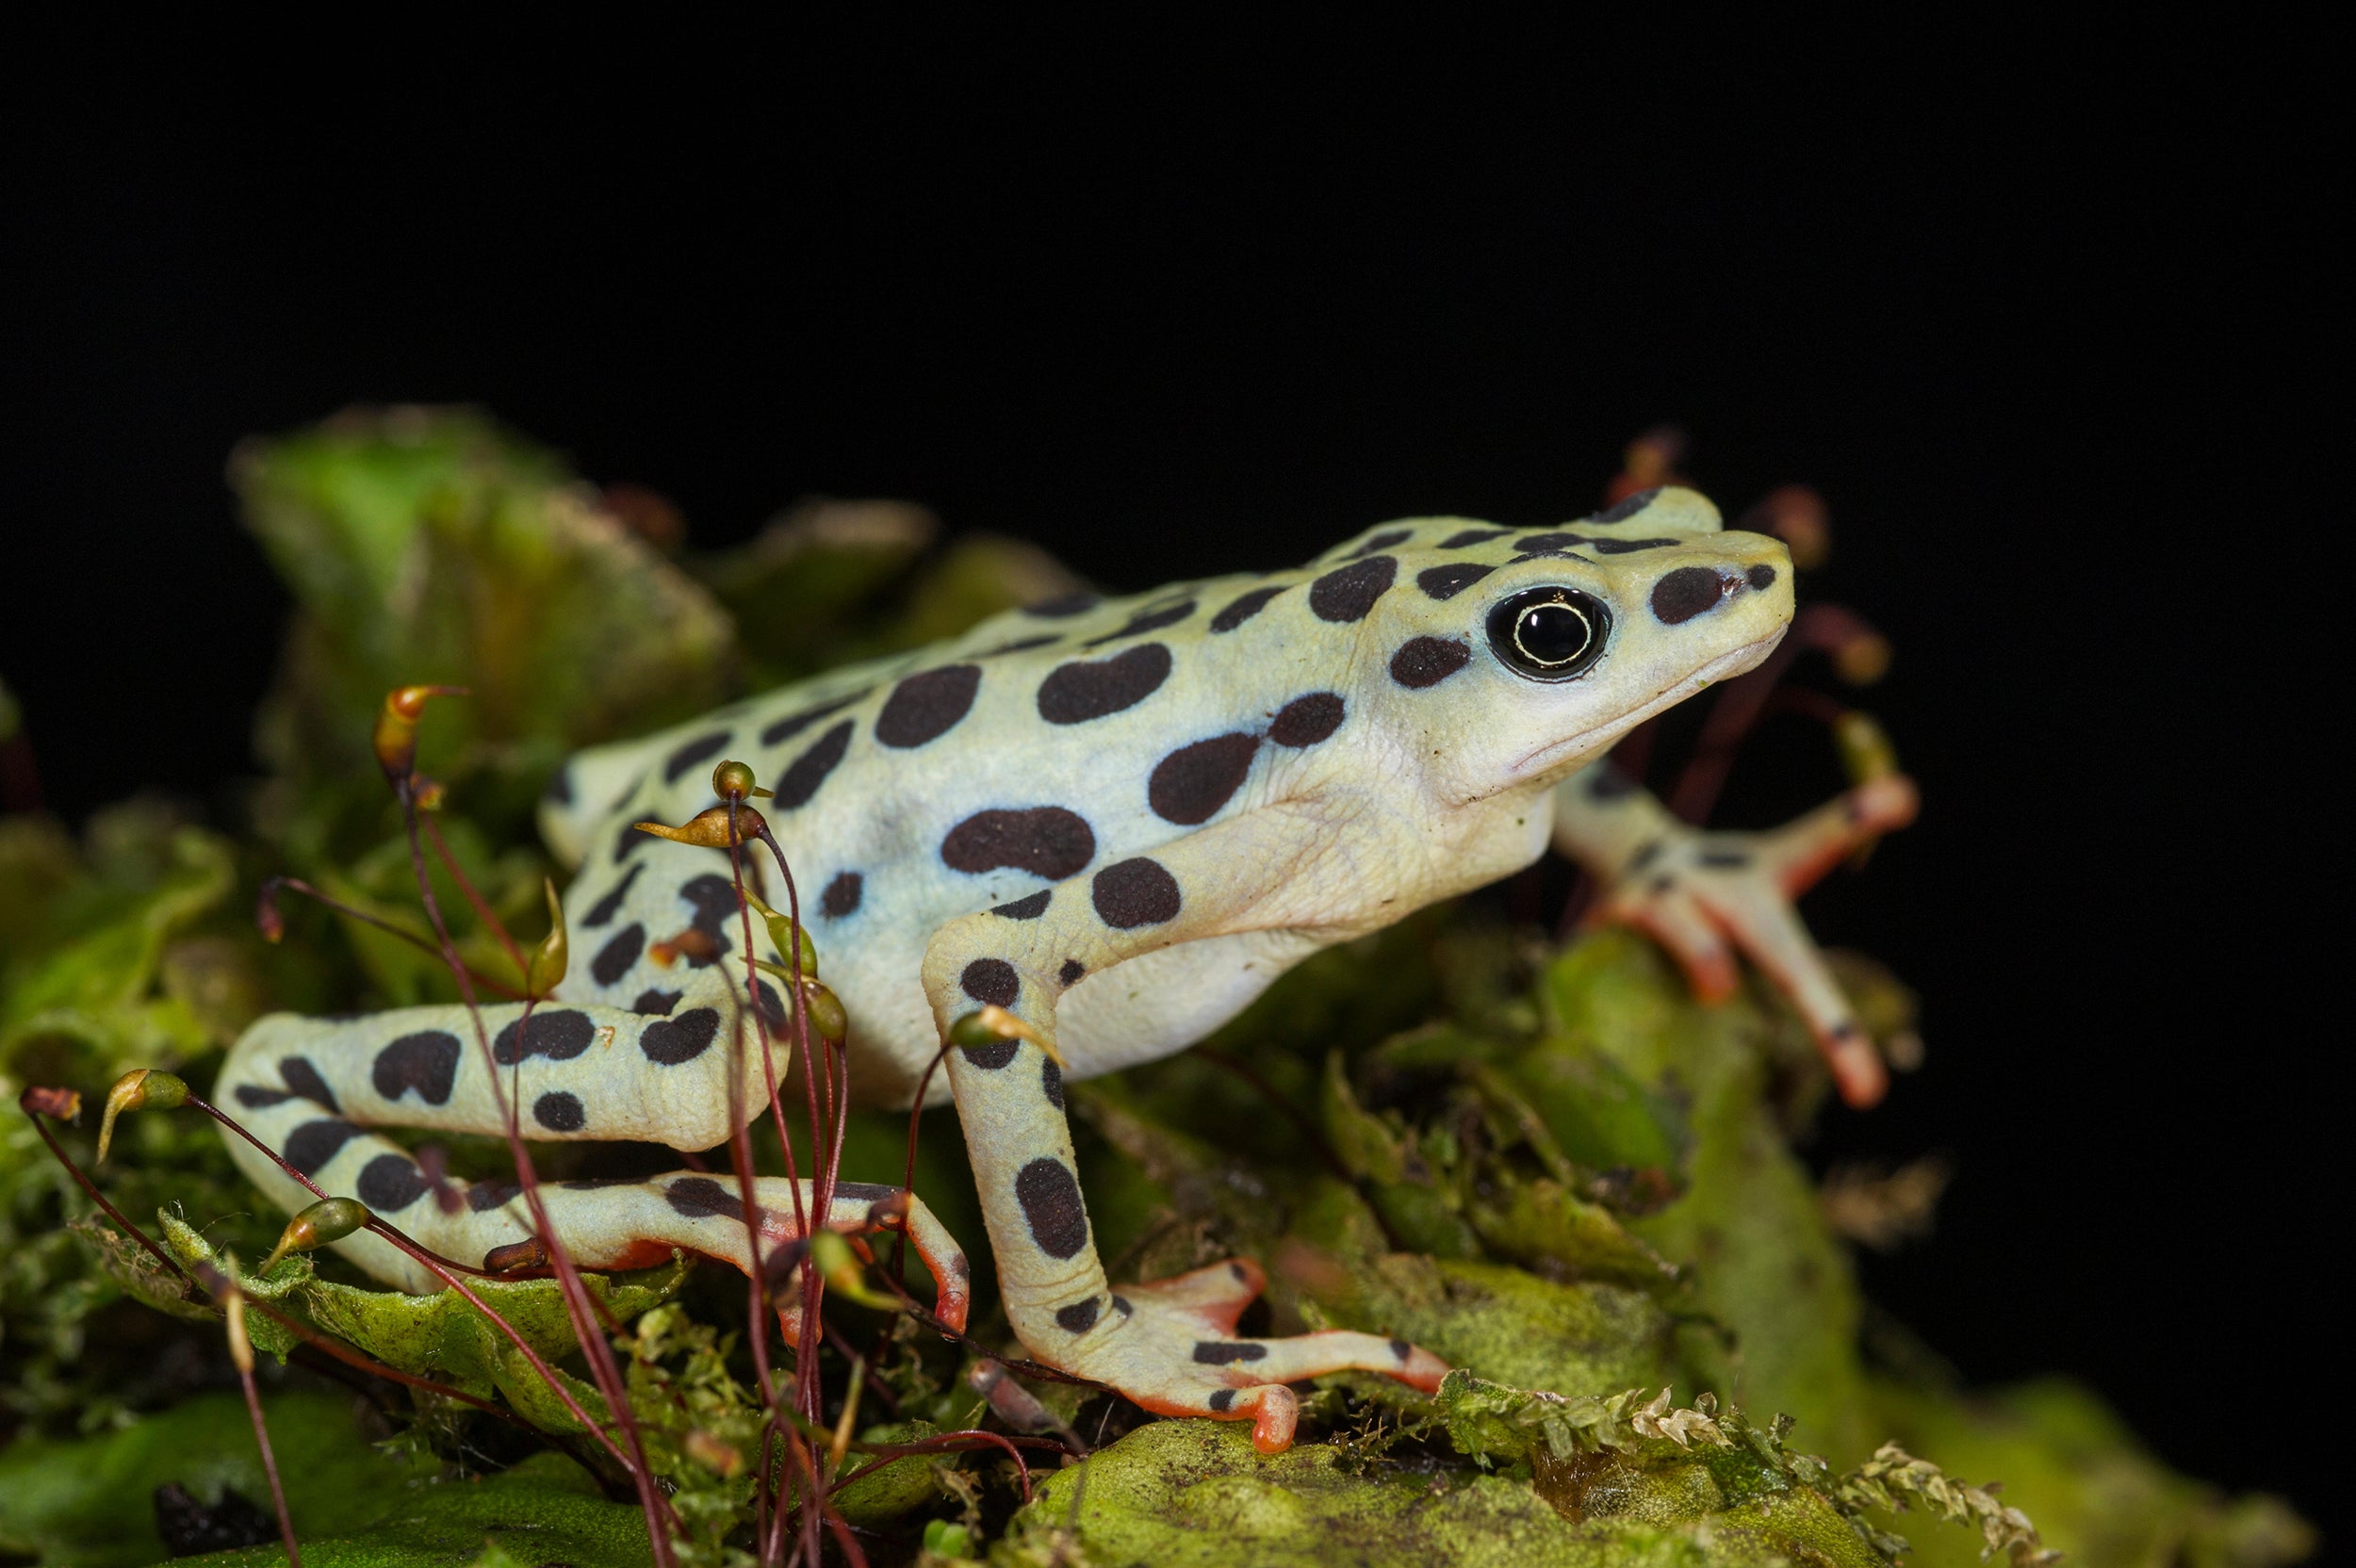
x,y
1550,633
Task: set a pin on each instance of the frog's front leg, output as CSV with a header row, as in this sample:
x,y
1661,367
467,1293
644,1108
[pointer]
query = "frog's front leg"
x,y
1168,1345
1704,895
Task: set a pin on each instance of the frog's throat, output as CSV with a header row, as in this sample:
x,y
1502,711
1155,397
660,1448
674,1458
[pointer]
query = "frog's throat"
x,y
1561,755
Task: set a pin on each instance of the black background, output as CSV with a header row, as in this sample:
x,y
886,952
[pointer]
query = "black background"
x,y
2031,313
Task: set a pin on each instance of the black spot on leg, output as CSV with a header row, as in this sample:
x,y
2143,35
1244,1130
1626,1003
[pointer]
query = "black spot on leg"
x,y
1607,783
701,1197
1305,721
1234,1271
1724,859
1051,1080
607,908
992,980
1133,893
1446,583
1190,784
617,957
559,1033
1221,1399
793,723
1400,1350
1226,1352
842,895
993,1054
1025,908
1079,1318
656,1001
1622,510
1760,577
772,1005
426,1061
628,841
676,765
484,1196
672,1040
253,1097
1470,537
1050,1195
1686,592
865,1192
1423,661
802,777
1072,971
390,1183
1242,608
1045,840
310,1146
301,1078
1346,594
927,704
1145,621
1643,856
713,899
560,1112
1090,689
1120,1305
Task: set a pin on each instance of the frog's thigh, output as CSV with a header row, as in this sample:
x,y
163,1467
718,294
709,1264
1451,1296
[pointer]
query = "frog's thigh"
x,y
1024,956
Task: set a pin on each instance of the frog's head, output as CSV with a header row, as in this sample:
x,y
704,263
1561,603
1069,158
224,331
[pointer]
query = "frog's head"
x,y
1517,655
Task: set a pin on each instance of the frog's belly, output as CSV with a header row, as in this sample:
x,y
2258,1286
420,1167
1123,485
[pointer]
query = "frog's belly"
x,y
1152,1005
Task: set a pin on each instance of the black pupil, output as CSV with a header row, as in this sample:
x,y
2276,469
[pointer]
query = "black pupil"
x,y
1552,634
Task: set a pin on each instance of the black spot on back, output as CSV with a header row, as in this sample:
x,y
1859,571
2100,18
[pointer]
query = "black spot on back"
x,y
1382,541
485,1196
1686,592
1025,908
426,1061
1145,621
1305,721
1090,689
614,959
865,1192
1063,607
1133,893
1051,1080
310,1146
1423,661
1347,593
560,1034
1761,577
1079,1318
1243,608
1470,537
253,1097
672,1040
560,1112
1548,544
1621,510
701,1197
301,1077
793,723
627,843
694,751
801,779
1446,583
1629,546
842,895
607,908
655,1001
1021,645
927,704
1190,784
1045,840
992,980
1050,1206
714,901
1072,971
390,1183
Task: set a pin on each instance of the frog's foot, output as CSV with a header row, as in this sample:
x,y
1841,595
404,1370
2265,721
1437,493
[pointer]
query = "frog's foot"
x,y
1170,1347
1706,895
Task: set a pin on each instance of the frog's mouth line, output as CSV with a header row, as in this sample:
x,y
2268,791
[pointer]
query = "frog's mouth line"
x,y
1721,668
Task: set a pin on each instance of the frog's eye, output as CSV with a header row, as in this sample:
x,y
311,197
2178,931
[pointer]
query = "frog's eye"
x,y
1550,633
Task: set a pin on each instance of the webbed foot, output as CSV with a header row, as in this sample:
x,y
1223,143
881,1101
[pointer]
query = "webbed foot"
x,y
1706,895
1170,1347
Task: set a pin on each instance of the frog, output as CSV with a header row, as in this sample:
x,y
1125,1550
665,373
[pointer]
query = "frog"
x,y
1099,828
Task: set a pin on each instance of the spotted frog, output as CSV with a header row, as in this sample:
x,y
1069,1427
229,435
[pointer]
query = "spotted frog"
x,y
1115,821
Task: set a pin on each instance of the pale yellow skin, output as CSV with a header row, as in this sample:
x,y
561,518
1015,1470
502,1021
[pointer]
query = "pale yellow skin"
x,y
1250,787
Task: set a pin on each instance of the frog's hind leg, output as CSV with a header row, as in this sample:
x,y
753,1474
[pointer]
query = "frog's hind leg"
x,y
310,1088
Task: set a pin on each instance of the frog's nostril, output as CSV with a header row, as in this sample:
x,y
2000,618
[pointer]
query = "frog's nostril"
x,y
1761,577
